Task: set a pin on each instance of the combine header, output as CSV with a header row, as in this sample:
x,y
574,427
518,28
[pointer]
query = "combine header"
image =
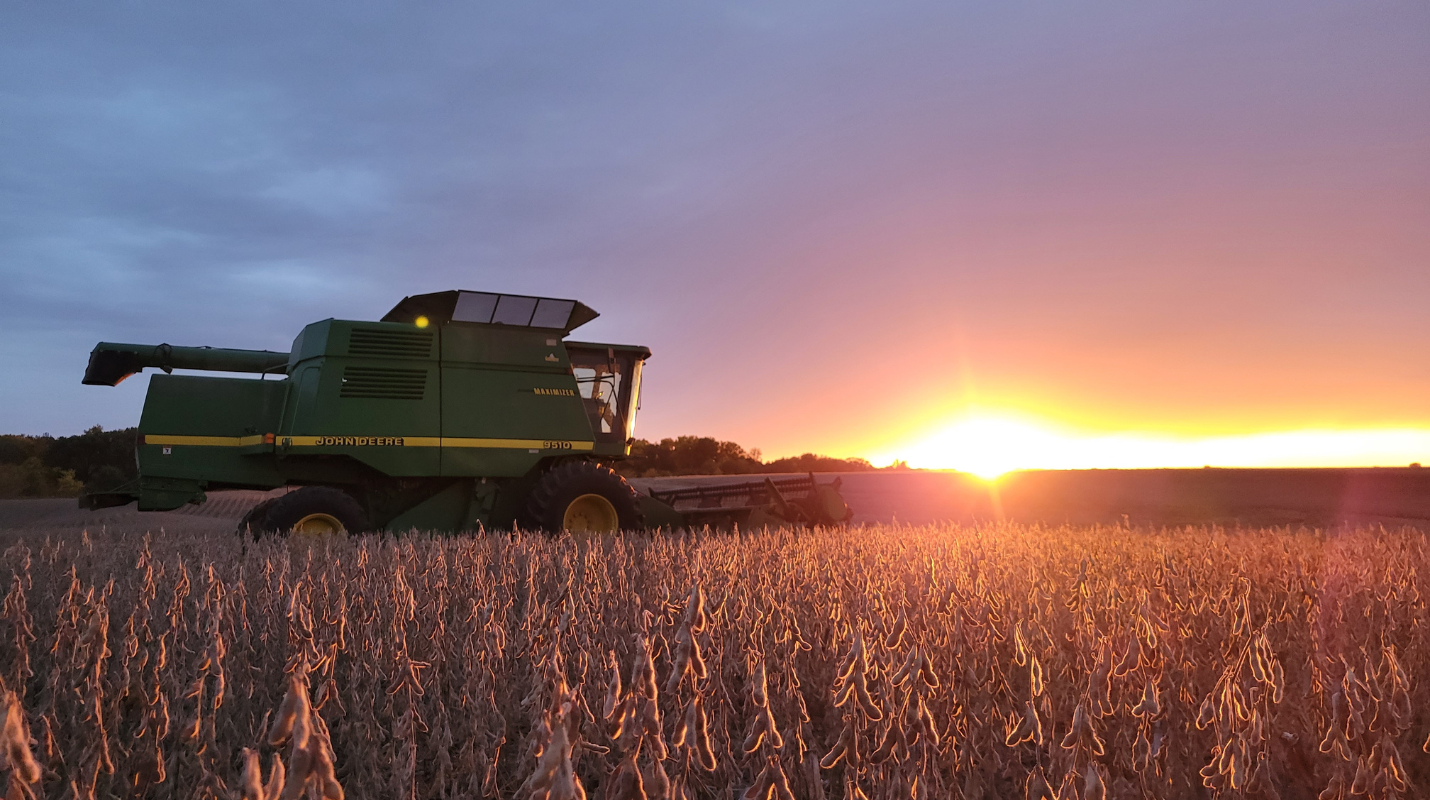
x,y
754,504
457,410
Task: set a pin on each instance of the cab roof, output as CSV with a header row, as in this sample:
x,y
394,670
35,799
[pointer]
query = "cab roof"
x,y
489,308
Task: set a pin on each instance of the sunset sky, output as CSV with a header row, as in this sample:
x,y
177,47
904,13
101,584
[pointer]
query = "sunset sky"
x,y
972,235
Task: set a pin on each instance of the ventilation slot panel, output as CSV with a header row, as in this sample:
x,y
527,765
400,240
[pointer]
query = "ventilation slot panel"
x,y
390,344
376,383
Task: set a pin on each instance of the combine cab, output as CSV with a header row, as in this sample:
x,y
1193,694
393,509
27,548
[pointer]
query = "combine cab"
x,y
457,410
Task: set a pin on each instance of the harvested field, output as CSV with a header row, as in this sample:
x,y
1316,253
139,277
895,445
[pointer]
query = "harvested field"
x,y
1254,498
1151,497
885,661
62,514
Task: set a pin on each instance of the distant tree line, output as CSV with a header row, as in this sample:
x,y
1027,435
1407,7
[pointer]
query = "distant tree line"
x,y
703,455
99,460
48,466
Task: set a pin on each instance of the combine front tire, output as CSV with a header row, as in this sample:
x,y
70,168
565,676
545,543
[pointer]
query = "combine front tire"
x,y
253,522
583,496
310,511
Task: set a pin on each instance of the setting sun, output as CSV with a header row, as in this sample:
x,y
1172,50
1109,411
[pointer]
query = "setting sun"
x,y
989,446
986,447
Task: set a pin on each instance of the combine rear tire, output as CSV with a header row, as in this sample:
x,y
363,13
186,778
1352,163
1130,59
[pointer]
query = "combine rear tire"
x,y
254,521
582,496
312,511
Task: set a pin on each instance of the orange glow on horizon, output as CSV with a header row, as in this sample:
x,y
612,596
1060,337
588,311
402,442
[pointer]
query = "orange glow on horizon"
x,y
992,445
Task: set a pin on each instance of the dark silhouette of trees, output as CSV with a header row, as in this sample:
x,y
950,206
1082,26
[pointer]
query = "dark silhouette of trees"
x,y
703,455
48,466
809,462
688,455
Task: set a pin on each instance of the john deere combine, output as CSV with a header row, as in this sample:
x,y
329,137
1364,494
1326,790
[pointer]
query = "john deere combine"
x,y
458,410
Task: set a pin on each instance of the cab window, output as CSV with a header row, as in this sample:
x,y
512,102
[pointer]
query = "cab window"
x,y
603,379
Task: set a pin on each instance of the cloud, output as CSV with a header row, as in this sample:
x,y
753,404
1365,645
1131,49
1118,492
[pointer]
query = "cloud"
x,y
331,192
816,178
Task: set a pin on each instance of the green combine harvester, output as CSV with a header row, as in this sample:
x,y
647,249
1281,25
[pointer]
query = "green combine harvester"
x,y
458,411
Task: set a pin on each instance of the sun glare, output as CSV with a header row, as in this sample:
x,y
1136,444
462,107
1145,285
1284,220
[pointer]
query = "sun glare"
x,y
990,446
985,447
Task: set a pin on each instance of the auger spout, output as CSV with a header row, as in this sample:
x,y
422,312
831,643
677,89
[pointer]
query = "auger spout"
x,y
110,363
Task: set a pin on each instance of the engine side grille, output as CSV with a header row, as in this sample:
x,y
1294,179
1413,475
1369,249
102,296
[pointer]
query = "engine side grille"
x,y
390,344
379,383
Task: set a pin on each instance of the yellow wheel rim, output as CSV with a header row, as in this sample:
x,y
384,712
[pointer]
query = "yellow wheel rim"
x,y
318,525
591,513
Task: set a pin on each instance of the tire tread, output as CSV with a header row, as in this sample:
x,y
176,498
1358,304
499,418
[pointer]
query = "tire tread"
x,y
289,508
545,506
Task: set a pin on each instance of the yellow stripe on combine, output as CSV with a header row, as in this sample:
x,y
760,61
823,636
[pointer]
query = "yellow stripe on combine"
x,y
359,441
432,441
205,441
520,444
372,441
